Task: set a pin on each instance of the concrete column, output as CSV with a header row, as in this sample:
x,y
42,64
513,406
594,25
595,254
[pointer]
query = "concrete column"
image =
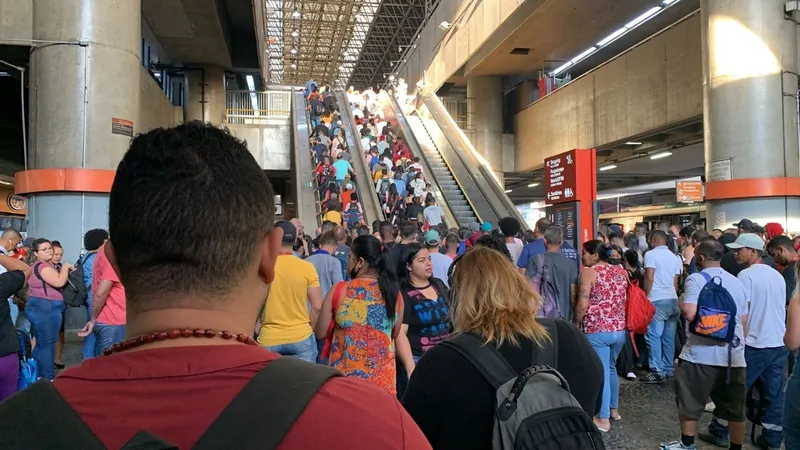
x,y
750,113
485,96
205,95
84,98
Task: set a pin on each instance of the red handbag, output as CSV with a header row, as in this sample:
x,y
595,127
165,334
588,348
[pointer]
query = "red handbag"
x,y
335,302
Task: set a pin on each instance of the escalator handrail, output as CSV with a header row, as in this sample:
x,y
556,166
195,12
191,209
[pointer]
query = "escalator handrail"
x,y
302,146
416,148
496,189
369,201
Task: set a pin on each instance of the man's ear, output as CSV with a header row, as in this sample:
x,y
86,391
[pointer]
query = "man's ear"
x,y
269,249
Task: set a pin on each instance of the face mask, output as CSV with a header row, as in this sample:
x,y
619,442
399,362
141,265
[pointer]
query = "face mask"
x,y
354,271
615,261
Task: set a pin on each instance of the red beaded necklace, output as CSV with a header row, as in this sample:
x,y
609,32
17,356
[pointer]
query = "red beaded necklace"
x,y
175,334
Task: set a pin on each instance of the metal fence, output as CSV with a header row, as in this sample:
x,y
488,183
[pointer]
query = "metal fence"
x,y
460,110
253,108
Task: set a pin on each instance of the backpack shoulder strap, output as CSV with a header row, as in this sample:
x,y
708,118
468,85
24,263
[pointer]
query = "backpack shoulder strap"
x,y
39,276
489,362
706,276
39,417
547,355
276,396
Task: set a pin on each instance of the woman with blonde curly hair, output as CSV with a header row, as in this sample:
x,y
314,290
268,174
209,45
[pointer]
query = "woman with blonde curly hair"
x,y
448,397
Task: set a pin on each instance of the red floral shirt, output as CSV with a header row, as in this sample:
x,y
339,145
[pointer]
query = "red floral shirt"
x,y
607,299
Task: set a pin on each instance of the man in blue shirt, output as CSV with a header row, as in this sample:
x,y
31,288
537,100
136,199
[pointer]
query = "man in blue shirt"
x,y
342,168
537,247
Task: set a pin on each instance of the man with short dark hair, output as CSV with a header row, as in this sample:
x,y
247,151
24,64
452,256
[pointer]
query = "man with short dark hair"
x,y
782,249
93,241
510,227
538,247
409,232
744,226
441,263
561,270
191,222
387,234
703,368
662,267
9,241
342,251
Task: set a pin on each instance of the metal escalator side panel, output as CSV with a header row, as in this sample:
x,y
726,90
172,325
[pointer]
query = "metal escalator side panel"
x,y
364,187
389,103
495,194
302,164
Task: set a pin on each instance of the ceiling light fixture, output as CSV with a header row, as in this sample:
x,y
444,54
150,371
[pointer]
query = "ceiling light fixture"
x,y
508,191
608,167
533,184
669,2
660,155
648,14
612,36
295,33
391,77
633,143
294,66
296,14
293,51
564,67
584,54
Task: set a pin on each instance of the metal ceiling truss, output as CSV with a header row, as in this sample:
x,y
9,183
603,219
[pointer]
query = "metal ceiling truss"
x,y
396,25
315,39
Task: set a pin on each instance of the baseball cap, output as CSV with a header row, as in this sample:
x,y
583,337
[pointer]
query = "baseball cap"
x,y
745,224
748,240
486,226
289,231
432,237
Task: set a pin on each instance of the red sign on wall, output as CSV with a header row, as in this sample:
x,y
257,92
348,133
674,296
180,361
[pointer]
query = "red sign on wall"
x,y
560,178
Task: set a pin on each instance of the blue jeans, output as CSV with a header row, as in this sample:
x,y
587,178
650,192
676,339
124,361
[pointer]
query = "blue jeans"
x,y
305,349
89,342
314,122
791,412
660,337
607,345
45,316
767,365
106,336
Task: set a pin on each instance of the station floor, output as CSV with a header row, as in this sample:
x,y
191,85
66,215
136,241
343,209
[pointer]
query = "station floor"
x,y
649,415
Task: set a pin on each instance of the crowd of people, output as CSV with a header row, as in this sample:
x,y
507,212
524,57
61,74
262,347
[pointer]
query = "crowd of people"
x,y
395,322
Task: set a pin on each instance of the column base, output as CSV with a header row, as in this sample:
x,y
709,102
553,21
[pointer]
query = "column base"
x,y
723,214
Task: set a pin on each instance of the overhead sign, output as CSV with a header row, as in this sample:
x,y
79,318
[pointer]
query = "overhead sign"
x,y
560,178
689,191
719,170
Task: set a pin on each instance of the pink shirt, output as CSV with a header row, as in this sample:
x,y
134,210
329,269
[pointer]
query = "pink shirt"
x,y
113,313
37,287
607,299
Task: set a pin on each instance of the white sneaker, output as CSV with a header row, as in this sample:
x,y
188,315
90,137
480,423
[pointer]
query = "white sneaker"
x,y
676,445
630,376
710,407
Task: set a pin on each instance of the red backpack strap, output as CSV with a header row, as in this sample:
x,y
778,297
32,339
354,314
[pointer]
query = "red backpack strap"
x,y
336,300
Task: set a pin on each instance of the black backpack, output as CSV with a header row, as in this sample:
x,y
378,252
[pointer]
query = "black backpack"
x,y
317,108
74,291
535,409
40,418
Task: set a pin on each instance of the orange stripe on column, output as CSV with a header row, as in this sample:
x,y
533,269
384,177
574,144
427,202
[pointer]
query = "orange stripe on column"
x,y
65,179
753,187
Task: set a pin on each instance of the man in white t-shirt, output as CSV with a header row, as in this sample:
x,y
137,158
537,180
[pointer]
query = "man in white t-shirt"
x,y
662,269
765,353
703,367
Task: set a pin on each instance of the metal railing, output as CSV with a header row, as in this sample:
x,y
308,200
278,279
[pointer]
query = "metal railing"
x,y
253,108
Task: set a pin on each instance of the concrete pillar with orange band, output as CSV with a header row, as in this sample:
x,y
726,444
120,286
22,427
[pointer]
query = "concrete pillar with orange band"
x,y
205,95
749,94
84,101
485,111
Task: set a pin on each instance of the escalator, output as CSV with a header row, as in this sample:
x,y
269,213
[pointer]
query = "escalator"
x,y
466,184
366,190
306,204
457,211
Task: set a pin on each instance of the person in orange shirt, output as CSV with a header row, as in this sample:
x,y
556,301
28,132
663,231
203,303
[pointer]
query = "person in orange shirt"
x,y
347,192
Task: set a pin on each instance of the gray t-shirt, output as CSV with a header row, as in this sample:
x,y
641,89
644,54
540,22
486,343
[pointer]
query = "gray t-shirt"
x,y
707,351
328,268
564,274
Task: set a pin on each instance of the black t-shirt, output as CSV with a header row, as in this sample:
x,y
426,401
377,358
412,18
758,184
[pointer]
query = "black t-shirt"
x,y
454,405
10,283
428,320
413,211
729,264
790,279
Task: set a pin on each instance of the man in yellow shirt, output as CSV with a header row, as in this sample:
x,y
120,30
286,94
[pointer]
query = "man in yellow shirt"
x,y
287,321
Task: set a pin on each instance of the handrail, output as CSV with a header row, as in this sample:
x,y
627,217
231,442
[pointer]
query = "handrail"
x,y
306,205
367,195
489,179
402,121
